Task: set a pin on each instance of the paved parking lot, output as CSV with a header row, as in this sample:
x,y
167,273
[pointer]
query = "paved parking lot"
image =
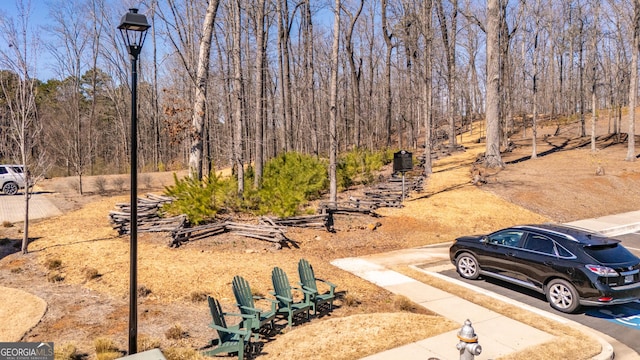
x,y
12,207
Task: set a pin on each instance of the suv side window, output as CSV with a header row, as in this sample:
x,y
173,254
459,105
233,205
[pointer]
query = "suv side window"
x,y
17,169
506,237
541,244
3,170
564,253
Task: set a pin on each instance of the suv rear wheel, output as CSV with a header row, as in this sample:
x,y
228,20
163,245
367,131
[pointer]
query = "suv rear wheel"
x,y
10,188
562,296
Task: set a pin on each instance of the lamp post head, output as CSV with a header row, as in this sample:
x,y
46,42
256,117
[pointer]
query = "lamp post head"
x,y
133,28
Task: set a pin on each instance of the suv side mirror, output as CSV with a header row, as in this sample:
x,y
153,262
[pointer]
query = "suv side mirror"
x,y
484,240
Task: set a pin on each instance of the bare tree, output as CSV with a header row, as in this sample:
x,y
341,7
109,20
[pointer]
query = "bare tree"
x,y
238,96
448,34
536,55
355,73
594,73
70,50
427,87
333,133
261,48
493,158
18,85
309,84
388,36
633,87
202,77
282,10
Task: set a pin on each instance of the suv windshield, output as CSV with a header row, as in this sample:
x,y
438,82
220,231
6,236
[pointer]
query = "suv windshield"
x,y
610,253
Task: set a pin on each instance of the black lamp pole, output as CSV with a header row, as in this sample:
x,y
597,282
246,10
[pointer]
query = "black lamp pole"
x,y
134,28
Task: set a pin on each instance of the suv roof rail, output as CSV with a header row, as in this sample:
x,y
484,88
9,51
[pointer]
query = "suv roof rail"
x,y
549,228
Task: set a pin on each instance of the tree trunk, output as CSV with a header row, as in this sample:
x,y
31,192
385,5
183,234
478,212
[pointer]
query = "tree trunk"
x,y
310,81
449,42
633,86
355,76
427,100
333,106
199,105
238,154
594,78
259,93
493,158
387,71
534,121
284,74
536,51
583,130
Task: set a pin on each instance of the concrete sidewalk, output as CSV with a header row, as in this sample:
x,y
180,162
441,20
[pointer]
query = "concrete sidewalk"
x,y
612,225
12,207
498,335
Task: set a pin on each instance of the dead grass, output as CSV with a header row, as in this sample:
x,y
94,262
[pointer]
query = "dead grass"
x,y
31,308
355,336
555,187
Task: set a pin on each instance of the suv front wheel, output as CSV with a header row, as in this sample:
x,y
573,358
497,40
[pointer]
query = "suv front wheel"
x,y
10,188
467,266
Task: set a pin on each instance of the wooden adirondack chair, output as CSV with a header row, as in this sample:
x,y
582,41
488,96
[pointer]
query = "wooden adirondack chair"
x,y
231,339
245,299
282,291
308,282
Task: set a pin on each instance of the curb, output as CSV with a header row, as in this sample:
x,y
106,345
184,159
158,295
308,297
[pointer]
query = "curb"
x,y
607,349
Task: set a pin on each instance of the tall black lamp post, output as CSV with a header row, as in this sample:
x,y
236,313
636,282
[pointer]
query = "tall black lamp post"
x,y
133,28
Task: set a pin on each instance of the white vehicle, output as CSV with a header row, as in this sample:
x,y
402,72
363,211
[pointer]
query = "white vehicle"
x,y
12,178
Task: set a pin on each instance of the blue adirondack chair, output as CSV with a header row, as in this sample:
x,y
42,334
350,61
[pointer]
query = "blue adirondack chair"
x,y
244,297
308,282
231,339
286,304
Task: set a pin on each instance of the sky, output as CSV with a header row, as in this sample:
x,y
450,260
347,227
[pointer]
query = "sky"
x,y
37,19
39,10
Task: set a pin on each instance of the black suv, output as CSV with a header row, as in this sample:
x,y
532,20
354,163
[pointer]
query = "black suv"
x,y
571,266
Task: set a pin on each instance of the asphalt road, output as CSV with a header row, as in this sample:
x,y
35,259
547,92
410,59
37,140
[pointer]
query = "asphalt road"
x,y
621,322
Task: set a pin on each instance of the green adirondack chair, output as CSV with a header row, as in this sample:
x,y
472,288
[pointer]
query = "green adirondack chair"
x,y
286,304
231,339
245,299
308,282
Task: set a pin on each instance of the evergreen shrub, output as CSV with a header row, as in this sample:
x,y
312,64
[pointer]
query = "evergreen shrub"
x,y
358,166
200,200
289,181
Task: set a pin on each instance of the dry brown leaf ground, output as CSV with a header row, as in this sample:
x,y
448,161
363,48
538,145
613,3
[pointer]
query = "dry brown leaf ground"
x,y
559,186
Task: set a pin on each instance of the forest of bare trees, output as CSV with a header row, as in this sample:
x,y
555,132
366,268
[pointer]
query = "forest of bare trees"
x,y
237,82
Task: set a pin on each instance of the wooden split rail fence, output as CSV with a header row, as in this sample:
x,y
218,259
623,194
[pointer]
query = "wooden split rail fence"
x,y
306,221
149,217
388,194
267,232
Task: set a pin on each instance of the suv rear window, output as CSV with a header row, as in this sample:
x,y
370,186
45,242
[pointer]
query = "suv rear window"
x,y
610,253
